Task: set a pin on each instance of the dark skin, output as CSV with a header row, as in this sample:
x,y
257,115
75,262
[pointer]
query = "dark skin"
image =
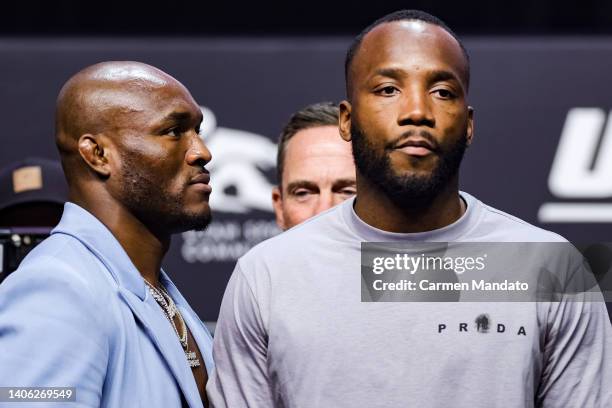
x,y
408,75
122,125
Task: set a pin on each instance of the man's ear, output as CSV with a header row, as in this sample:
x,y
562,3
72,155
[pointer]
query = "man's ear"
x,y
277,203
95,152
470,127
344,121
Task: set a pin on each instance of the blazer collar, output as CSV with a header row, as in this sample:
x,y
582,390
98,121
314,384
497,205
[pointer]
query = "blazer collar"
x,y
159,329
85,227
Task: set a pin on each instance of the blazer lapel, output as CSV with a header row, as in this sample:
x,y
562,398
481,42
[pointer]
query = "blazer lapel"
x,y
160,331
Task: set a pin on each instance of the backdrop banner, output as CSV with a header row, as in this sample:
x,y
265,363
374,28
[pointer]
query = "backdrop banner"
x,y
542,149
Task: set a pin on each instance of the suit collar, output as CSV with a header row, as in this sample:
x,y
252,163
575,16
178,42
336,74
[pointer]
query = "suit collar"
x,y
85,227
159,329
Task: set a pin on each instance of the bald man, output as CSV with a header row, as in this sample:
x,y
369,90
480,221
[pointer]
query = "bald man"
x,y
315,168
90,307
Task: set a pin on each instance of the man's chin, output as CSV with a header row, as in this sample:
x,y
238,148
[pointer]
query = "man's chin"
x,y
192,222
412,176
411,186
414,166
201,222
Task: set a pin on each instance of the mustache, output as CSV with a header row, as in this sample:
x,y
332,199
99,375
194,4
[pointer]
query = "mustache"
x,y
411,133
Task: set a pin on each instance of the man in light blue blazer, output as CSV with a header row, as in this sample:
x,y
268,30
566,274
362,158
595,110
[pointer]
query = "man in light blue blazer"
x,y
90,307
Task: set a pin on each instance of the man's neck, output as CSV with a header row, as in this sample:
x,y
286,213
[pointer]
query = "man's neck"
x,y
376,209
144,248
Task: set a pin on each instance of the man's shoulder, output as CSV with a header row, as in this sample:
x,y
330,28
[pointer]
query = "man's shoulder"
x,y
67,252
322,229
500,226
61,263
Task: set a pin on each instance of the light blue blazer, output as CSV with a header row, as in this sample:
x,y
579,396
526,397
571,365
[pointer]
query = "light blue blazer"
x,y
77,314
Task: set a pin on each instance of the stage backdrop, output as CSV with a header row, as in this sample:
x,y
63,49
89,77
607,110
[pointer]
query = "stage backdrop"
x,y
542,149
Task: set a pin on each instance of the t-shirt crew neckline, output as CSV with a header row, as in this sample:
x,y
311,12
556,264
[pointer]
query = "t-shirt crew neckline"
x,y
451,232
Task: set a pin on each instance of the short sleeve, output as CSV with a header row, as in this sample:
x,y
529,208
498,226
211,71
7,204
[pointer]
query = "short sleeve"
x,y
240,377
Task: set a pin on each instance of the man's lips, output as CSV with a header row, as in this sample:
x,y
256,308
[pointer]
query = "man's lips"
x,y
201,181
415,147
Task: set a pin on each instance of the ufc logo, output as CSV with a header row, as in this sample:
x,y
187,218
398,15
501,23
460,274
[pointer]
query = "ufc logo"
x,y
582,168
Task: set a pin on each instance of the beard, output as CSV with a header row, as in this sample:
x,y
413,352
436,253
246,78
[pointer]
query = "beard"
x,y
409,190
149,201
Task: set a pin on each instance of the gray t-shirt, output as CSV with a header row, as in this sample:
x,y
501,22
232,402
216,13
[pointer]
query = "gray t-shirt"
x,y
293,331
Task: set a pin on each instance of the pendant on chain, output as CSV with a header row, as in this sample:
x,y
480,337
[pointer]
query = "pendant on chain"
x,y
192,359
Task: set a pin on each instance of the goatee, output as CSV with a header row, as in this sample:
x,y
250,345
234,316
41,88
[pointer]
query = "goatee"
x,y
408,190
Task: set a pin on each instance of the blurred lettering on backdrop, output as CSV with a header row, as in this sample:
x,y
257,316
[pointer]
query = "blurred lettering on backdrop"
x,y
542,148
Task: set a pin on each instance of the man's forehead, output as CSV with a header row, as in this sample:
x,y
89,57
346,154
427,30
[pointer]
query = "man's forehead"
x,y
134,97
172,96
129,79
317,155
319,169
318,141
414,27
401,39
399,33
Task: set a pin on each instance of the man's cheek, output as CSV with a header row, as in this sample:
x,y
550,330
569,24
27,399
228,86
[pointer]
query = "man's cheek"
x,y
297,212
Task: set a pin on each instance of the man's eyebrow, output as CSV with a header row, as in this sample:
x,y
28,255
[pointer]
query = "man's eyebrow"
x,y
434,76
342,183
395,73
302,184
180,116
442,75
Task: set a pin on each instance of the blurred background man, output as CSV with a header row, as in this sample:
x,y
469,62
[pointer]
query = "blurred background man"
x,y
315,168
32,196
32,193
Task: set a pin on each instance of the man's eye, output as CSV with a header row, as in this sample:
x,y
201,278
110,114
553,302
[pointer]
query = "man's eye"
x,y
444,93
349,191
387,91
301,193
176,132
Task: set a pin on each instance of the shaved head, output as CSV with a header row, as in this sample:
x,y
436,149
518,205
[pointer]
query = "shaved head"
x,y
100,98
128,134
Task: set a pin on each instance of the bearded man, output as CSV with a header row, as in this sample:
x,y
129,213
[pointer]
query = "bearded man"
x,y
293,329
90,307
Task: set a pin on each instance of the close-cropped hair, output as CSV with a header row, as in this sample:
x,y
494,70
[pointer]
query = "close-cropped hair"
x,y
401,15
315,115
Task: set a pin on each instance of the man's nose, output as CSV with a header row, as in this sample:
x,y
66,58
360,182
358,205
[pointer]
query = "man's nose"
x,y
197,153
416,108
326,201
